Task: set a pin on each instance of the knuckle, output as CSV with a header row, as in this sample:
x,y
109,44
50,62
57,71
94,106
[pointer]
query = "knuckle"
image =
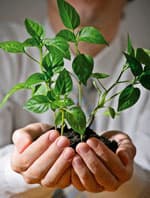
x,y
48,184
63,185
95,167
113,185
33,174
85,177
19,164
95,189
25,163
126,176
113,188
15,166
30,180
102,152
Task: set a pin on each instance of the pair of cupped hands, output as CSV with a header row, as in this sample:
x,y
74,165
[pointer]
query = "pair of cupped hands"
x,y
43,156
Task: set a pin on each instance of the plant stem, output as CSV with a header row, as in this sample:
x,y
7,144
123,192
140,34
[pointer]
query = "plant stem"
x,y
103,100
79,94
79,83
113,96
62,126
99,105
41,58
124,81
92,116
117,81
81,137
32,57
76,45
73,76
96,87
102,85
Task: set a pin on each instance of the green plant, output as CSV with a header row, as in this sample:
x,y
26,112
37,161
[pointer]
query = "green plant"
x,y
51,87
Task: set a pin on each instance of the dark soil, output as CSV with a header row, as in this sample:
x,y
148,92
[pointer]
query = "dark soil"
x,y
75,138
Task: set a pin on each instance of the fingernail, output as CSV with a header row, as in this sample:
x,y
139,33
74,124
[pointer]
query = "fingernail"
x,y
77,161
92,142
83,148
53,135
68,154
62,142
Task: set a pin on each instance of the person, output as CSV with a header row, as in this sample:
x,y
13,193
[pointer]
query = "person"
x,y
39,155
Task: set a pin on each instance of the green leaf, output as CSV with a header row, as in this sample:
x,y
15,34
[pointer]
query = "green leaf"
x,y
146,68
147,51
83,66
142,57
58,118
40,89
91,35
58,45
134,65
67,35
99,75
52,95
145,79
62,103
63,83
12,46
16,88
51,62
34,29
128,97
31,42
34,79
37,104
110,112
130,48
68,14
76,119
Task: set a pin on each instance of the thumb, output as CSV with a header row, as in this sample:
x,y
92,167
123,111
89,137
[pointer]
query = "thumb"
x,y
23,137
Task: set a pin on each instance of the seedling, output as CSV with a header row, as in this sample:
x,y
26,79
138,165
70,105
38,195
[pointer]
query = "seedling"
x,y
51,87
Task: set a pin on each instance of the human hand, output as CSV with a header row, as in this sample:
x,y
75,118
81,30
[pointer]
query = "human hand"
x,y
97,168
42,157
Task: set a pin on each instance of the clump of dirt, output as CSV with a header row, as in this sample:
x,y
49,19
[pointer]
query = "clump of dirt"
x,y
75,138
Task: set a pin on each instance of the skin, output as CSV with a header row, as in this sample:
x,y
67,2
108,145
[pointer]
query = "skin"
x,y
105,15
93,168
42,156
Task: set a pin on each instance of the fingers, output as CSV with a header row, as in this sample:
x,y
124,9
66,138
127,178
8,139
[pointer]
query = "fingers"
x,y
65,180
110,160
126,147
76,181
58,168
22,138
22,161
42,157
47,167
124,142
105,169
102,174
86,178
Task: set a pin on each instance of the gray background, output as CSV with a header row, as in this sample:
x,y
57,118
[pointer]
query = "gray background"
x,y
138,16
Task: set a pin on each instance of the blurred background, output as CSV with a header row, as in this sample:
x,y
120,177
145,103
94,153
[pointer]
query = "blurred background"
x,y
137,15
